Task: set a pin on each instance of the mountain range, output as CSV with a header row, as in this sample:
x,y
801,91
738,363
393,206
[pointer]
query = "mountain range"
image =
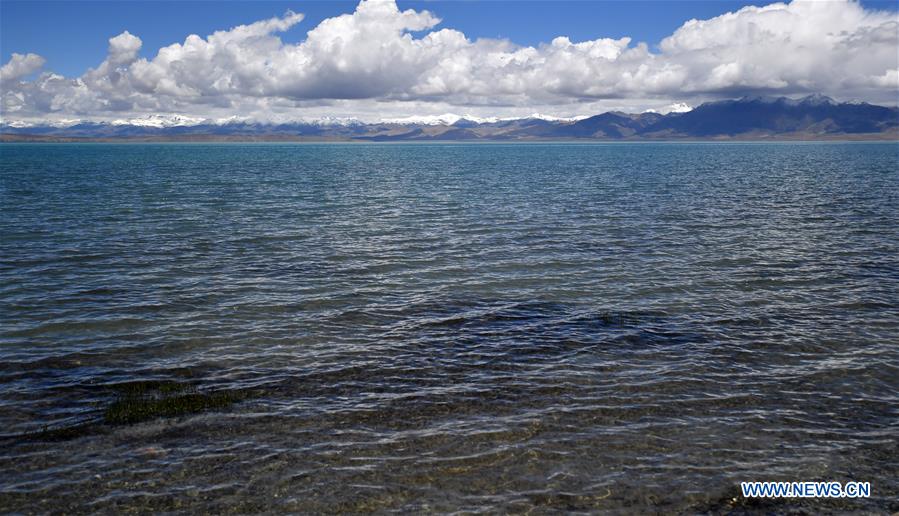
x,y
751,118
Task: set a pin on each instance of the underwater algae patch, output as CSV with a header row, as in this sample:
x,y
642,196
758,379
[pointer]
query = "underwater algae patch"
x,y
142,401
139,401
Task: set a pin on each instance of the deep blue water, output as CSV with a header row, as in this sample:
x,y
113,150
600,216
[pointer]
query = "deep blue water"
x,y
593,327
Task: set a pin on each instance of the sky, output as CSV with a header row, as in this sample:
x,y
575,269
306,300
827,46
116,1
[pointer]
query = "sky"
x,y
378,59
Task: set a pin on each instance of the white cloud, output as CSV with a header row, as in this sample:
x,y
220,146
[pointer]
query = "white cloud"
x,y
20,65
829,46
382,61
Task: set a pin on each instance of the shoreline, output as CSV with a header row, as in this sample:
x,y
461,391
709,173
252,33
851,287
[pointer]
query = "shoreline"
x,y
842,138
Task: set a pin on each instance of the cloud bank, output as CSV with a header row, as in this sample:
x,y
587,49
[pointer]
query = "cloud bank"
x,y
380,61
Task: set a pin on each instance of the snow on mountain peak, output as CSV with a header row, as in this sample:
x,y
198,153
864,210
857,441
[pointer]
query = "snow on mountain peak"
x,y
677,107
550,118
444,119
452,119
332,120
159,121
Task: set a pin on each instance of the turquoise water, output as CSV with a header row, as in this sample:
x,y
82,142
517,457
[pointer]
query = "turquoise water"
x,y
594,327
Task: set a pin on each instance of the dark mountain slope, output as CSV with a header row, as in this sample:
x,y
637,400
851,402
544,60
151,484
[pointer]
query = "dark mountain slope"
x,y
814,115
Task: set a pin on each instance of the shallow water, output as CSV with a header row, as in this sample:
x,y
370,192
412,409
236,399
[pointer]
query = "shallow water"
x,y
589,327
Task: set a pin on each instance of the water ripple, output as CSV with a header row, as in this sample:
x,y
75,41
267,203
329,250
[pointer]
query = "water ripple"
x,y
604,327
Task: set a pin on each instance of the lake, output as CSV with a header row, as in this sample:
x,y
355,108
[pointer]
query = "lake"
x,y
625,327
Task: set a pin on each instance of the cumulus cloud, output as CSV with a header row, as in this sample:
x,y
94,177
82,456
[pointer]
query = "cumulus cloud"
x,y
21,65
380,57
805,45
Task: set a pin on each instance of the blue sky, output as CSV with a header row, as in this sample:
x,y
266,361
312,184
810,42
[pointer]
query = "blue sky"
x,y
72,35
379,59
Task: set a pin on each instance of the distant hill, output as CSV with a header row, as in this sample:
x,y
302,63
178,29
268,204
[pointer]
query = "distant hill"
x,y
610,126
755,118
812,115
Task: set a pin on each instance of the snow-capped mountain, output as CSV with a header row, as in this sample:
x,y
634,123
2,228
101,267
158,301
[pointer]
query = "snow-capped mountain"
x,y
677,107
160,121
453,119
810,117
324,121
550,118
444,119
